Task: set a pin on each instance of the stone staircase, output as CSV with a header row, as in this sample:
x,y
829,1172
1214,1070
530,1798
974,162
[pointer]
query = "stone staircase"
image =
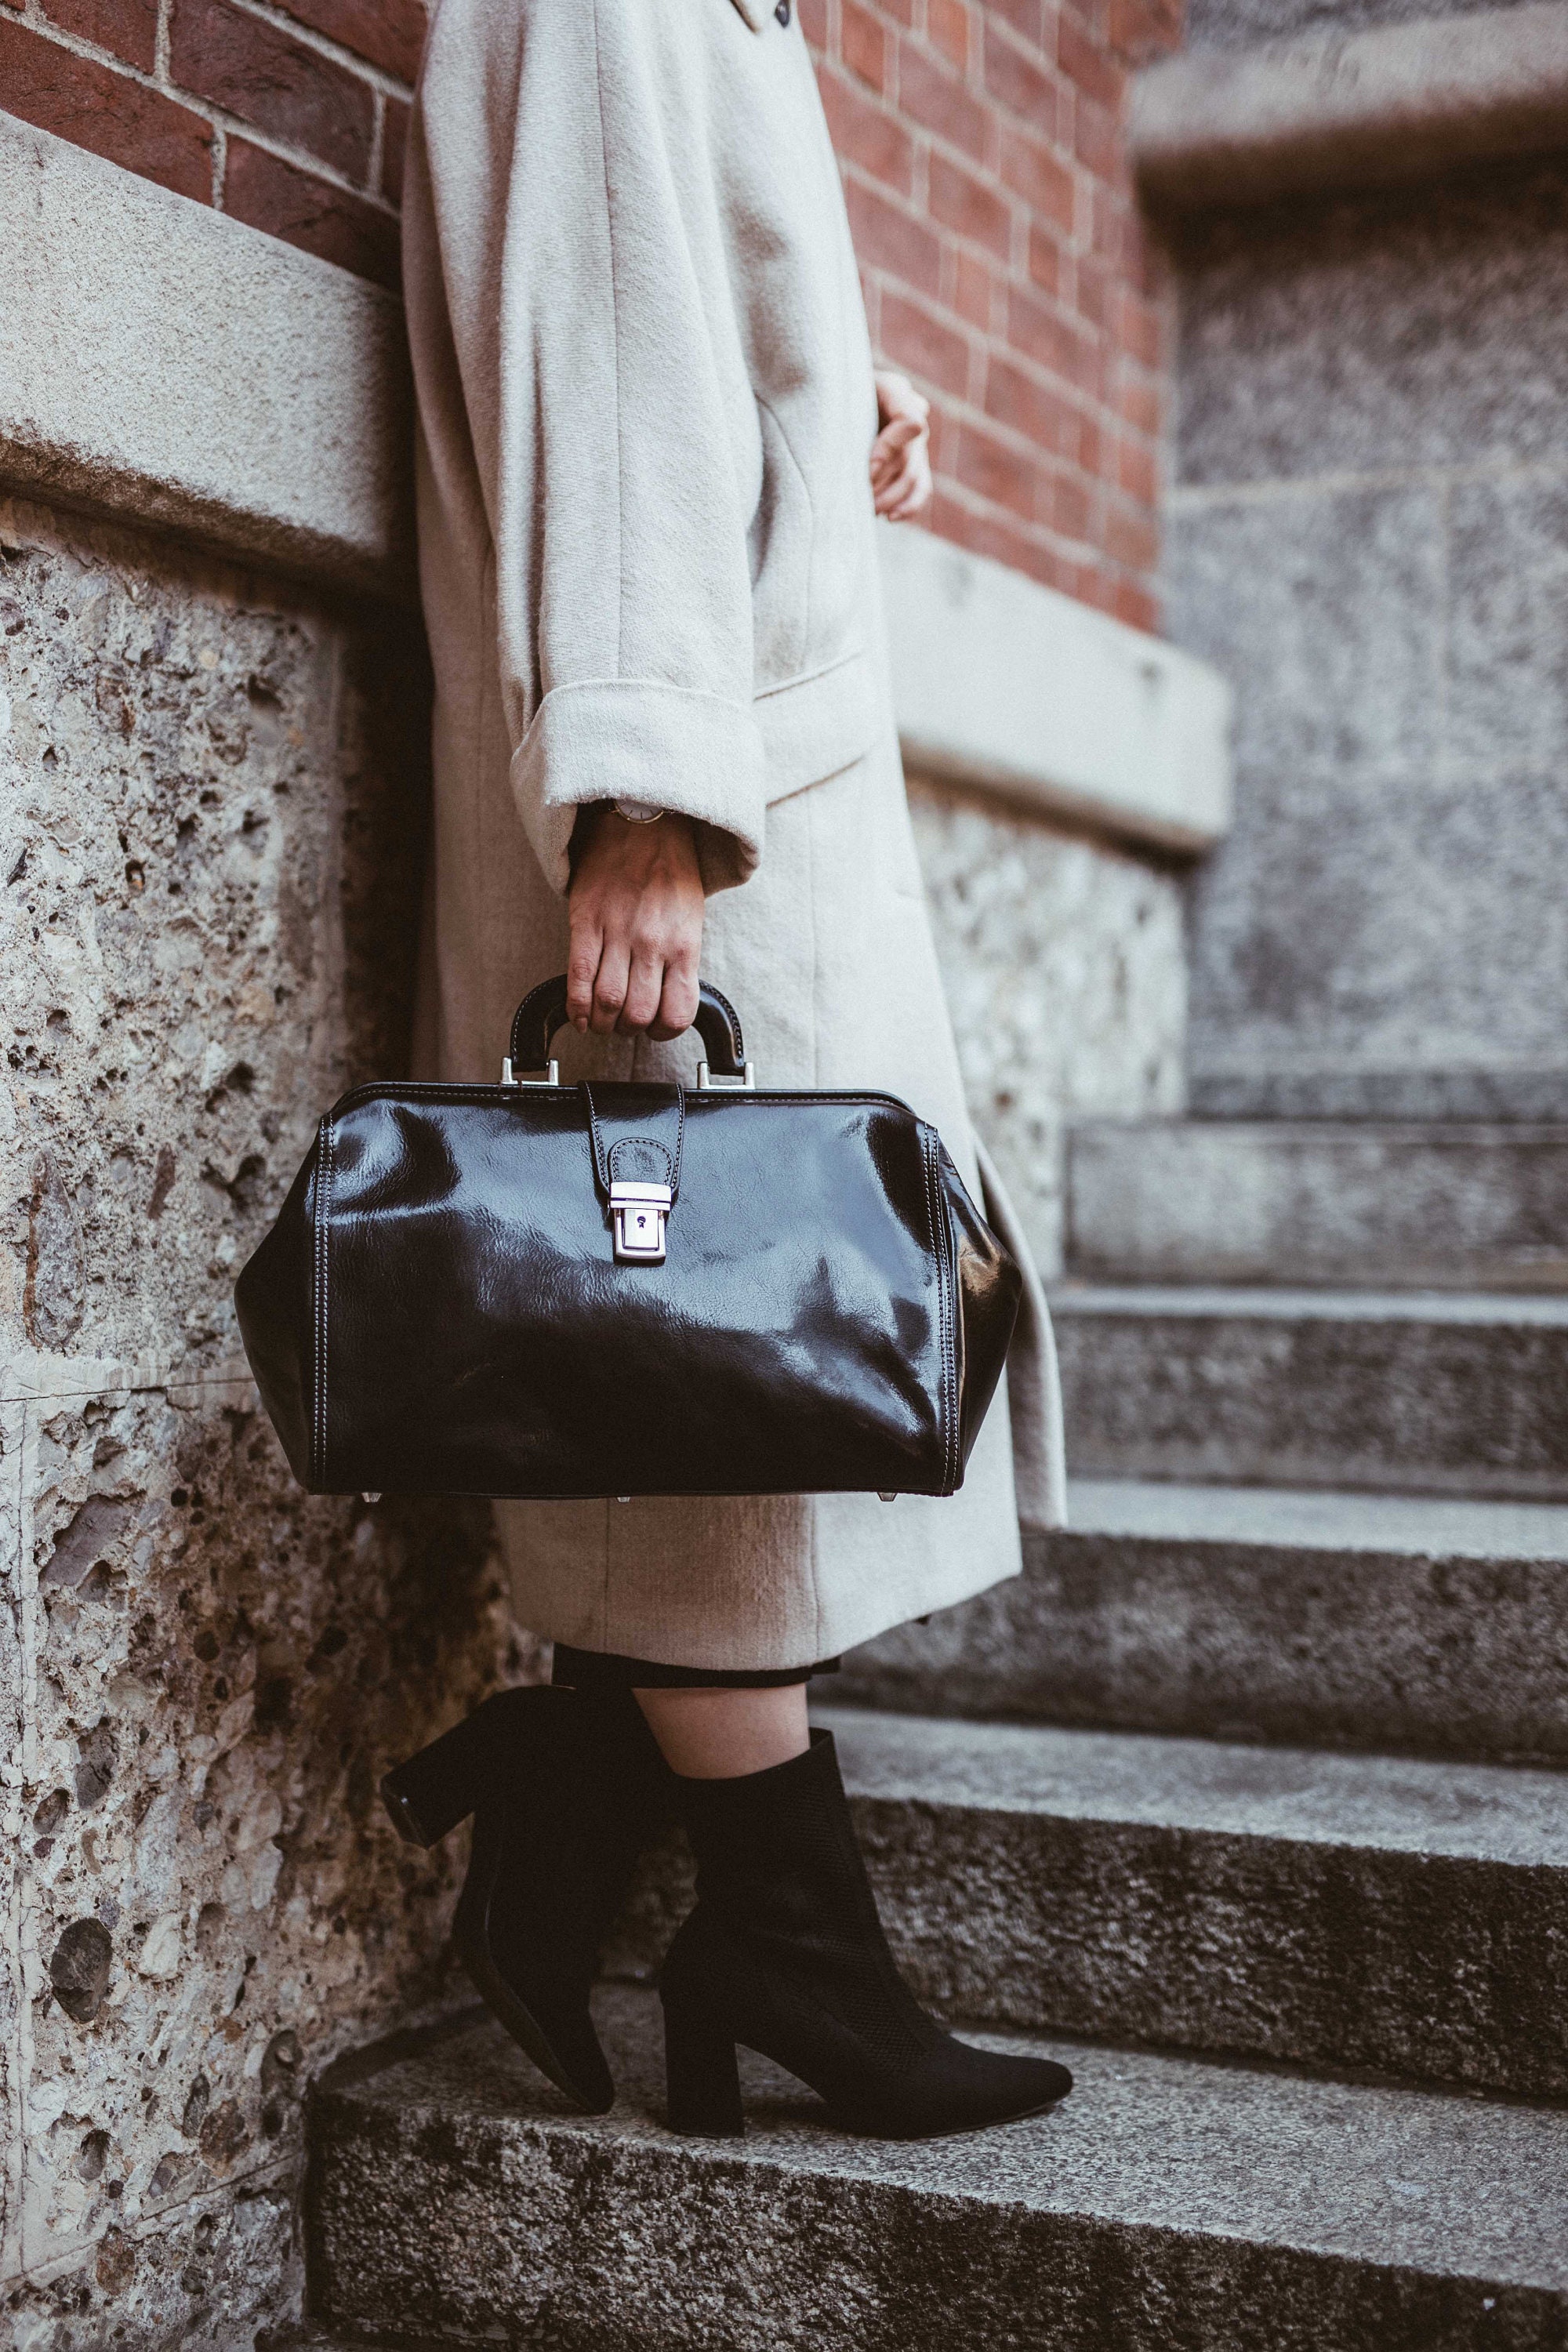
x,y
1246,1798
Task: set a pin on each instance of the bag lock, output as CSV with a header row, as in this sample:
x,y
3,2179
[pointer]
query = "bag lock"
x,y
638,1175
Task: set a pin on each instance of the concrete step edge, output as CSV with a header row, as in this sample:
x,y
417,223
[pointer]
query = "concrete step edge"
x,y
1169,2202
1315,1519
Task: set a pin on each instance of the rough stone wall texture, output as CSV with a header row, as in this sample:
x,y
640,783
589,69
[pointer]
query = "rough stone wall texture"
x,y
1239,23
1064,968
209,842
1370,537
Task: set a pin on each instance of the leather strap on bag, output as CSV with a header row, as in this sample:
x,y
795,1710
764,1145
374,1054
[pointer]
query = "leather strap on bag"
x,y
636,1164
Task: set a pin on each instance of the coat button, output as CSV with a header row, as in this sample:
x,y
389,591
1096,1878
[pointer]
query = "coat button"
x,y
782,12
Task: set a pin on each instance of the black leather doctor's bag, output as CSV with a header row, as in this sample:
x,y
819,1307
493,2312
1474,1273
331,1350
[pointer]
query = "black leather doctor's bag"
x,y
613,1289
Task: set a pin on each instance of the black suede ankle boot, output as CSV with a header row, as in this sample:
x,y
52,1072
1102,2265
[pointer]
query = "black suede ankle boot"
x,y
566,1788
785,1953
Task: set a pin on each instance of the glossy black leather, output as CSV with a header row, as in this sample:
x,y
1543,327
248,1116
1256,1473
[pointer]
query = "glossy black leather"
x,y
543,1011
437,1308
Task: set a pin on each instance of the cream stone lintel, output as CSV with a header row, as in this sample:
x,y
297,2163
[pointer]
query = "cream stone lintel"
x,y
164,365
1336,111
1009,686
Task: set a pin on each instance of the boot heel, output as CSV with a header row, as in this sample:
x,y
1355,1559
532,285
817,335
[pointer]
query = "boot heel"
x,y
436,1790
703,2077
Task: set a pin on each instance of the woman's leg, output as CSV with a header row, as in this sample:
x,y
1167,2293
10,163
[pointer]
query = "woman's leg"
x,y
708,1733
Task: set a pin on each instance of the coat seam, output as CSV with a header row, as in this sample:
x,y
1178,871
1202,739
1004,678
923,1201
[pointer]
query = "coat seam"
x,y
615,337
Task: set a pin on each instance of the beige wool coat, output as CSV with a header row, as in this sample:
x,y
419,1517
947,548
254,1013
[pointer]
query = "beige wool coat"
x,y
648,563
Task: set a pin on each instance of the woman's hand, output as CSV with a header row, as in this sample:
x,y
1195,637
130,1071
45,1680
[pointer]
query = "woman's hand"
x,y
900,454
635,905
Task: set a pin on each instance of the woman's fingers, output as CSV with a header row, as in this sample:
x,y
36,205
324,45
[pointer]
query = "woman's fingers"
x,y
678,1003
901,455
583,969
644,987
610,986
636,904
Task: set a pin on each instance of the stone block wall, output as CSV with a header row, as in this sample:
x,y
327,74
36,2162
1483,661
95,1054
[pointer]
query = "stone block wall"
x,y
210,833
1373,407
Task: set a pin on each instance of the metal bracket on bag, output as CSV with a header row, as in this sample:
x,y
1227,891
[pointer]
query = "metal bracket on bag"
x,y
641,1211
552,1075
707,1083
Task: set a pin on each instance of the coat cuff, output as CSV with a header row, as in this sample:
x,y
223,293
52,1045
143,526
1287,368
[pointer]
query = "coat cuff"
x,y
609,738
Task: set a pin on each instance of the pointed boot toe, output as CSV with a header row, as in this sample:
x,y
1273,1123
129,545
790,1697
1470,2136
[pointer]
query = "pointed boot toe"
x,y
784,1954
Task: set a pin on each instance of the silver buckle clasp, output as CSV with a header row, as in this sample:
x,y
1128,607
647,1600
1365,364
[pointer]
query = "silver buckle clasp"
x,y
639,1212
508,1076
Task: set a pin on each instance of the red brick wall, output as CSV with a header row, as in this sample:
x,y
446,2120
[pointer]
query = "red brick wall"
x,y
1007,269
291,117
1005,262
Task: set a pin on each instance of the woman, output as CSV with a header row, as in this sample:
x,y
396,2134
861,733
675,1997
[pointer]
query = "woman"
x,y
664,741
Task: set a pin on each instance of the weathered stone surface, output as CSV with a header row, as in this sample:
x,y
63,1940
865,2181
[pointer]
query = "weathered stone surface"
x,y
212,1899
1329,1910
1433,1395
1361,1620
1322,340
1236,24
1335,642
210,830
1367,538
1382,935
1350,107
1506,670
1167,2206
160,360
1442,1208
1064,968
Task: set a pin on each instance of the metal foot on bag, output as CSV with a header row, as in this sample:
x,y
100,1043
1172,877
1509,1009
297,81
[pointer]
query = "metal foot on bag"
x,y
366,1496
887,1498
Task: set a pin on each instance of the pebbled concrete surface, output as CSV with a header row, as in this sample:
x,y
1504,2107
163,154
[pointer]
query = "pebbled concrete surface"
x,y
1335,1911
209,854
1167,2203
1444,1393
1359,1621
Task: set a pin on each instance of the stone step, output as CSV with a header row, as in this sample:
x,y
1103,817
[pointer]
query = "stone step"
x,y
1253,1612
1421,1393
1329,1911
1167,2206
1319,1200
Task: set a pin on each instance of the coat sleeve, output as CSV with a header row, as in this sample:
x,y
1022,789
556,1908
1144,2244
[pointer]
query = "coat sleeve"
x,y
594,325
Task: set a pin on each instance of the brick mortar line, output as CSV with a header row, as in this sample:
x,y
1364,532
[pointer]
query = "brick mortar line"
x,y
224,124
1080,554
1025,221
33,20
324,45
1086,408
942,314
933,142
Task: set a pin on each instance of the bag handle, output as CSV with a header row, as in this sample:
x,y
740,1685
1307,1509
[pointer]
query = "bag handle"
x,y
543,1011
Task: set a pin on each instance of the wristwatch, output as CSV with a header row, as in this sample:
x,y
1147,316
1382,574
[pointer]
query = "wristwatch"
x,y
637,812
